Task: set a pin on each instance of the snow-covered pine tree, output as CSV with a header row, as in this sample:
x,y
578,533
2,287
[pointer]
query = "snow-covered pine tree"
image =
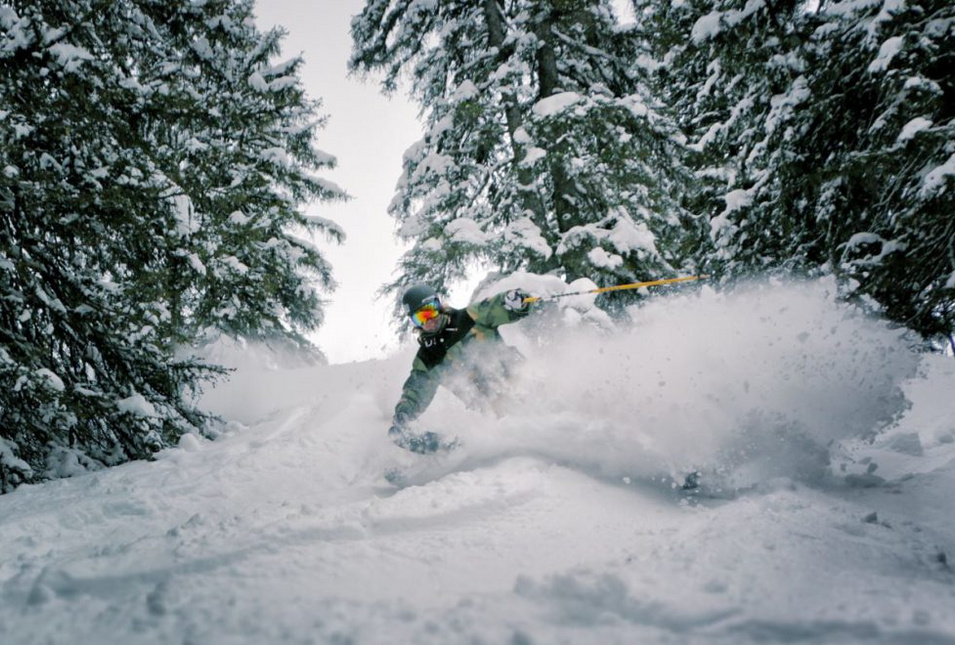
x,y
238,161
733,76
885,194
823,140
542,149
153,163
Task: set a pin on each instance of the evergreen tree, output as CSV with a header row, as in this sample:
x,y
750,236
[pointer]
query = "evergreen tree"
x,y
823,141
153,164
886,193
542,149
734,76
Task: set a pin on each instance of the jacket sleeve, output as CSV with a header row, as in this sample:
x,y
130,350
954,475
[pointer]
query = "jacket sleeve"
x,y
417,392
491,312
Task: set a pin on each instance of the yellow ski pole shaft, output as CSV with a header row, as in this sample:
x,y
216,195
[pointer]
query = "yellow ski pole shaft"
x,y
621,287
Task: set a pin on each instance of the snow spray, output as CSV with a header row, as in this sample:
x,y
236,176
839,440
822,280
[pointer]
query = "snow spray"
x,y
754,383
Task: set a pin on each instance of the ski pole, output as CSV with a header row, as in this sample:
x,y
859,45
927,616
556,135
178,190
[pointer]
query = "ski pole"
x,y
635,285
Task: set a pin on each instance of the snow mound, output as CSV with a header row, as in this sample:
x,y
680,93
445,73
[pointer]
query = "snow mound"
x,y
284,530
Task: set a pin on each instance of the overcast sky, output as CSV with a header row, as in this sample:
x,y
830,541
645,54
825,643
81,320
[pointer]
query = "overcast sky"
x,y
368,133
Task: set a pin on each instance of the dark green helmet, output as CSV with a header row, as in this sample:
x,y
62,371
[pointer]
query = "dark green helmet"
x,y
417,296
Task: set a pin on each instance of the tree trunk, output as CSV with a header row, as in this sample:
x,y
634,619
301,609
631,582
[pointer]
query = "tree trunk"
x,y
547,80
530,201
564,196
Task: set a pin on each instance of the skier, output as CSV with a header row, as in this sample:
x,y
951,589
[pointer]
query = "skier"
x,y
460,349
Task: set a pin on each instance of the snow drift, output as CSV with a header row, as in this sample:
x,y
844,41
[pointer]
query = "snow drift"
x,y
833,445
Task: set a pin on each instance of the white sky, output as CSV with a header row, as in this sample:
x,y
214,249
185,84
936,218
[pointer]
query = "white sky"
x,y
368,133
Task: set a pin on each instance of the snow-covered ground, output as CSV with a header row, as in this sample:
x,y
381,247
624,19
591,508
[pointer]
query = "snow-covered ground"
x,y
828,456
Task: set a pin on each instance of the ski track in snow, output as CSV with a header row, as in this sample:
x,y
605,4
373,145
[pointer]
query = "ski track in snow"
x,y
556,523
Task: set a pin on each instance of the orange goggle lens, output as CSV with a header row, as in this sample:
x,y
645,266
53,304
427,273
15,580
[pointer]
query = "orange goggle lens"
x,y
427,312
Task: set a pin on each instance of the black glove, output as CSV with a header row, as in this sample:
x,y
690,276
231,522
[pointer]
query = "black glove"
x,y
396,431
426,443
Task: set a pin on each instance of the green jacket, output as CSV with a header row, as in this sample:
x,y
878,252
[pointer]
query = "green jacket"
x,y
468,356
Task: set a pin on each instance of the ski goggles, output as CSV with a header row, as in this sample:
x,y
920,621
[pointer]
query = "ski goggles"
x,y
430,310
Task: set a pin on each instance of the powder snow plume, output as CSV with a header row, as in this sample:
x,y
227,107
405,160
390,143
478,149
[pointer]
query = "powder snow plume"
x,y
754,383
